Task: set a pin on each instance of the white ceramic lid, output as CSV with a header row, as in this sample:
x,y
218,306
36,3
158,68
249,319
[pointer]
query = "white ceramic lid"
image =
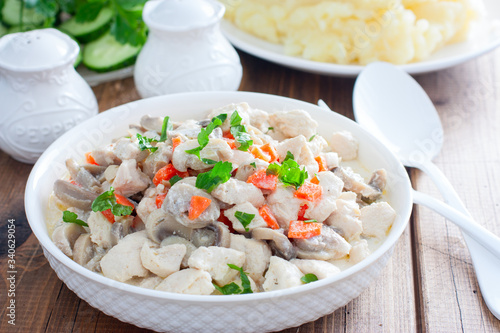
x,y
37,50
180,15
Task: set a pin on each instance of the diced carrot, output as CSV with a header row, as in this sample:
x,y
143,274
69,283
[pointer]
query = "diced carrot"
x,y
230,142
258,153
175,142
315,180
302,212
197,206
321,163
271,151
223,218
120,199
167,172
107,214
263,181
228,135
304,230
90,159
159,199
309,191
267,215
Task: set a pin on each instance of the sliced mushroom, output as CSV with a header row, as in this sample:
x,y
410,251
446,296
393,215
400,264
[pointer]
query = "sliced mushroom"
x,y
82,176
355,183
216,234
121,228
65,236
151,123
161,224
378,181
83,250
73,195
280,244
328,245
95,170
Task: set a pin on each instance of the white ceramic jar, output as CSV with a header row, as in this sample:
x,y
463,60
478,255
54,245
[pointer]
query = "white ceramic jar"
x,y
42,96
185,50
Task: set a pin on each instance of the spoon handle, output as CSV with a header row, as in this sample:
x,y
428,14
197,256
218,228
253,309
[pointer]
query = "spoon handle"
x,y
468,226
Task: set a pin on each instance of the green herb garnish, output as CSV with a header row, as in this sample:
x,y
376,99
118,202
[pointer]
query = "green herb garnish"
x,y
254,165
145,143
270,129
289,172
244,218
239,132
203,137
167,126
312,138
310,221
70,217
174,179
220,173
309,278
245,282
107,200
229,289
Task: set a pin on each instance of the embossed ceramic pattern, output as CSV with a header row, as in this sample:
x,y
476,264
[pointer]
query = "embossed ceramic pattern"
x,y
42,95
162,311
183,54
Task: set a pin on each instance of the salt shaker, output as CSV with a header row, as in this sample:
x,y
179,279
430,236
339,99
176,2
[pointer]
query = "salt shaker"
x,y
41,94
185,50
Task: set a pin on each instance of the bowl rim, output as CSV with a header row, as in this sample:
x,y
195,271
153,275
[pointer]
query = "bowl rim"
x,y
48,245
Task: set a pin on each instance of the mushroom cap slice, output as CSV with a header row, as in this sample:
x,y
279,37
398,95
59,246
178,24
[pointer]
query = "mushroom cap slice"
x,y
73,195
280,243
161,224
83,250
328,245
65,236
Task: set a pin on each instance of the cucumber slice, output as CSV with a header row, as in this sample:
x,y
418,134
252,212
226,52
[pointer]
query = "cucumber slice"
x,y
89,31
106,54
3,30
11,10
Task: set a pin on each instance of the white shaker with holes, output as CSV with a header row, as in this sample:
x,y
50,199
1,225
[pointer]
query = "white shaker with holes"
x,y
41,94
185,50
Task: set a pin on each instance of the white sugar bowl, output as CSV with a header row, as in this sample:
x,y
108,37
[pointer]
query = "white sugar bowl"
x,y
185,50
42,96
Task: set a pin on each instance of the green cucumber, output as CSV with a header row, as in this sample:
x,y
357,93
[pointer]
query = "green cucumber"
x,y
107,54
3,30
89,31
11,10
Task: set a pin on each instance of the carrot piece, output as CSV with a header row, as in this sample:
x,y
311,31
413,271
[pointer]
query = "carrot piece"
x,y
167,172
258,153
271,151
175,142
197,206
321,163
90,159
267,215
309,191
109,215
159,199
261,180
304,230
230,142
302,212
228,135
120,199
315,180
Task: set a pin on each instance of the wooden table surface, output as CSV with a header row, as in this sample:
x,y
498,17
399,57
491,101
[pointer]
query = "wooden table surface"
x,y
429,284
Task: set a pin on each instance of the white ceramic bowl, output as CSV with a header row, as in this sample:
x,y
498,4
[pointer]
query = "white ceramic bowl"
x,y
162,311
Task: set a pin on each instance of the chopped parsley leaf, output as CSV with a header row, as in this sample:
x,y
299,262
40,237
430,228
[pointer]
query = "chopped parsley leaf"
x,y
270,129
312,138
239,132
245,282
107,200
70,217
254,165
167,126
220,173
229,289
310,221
309,278
203,136
289,173
174,179
244,218
145,143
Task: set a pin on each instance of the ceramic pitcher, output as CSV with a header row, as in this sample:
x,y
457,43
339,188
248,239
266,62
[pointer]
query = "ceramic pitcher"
x,y
185,50
41,94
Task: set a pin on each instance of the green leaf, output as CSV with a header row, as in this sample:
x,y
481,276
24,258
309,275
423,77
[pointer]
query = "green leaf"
x,y
229,289
309,278
167,126
289,173
88,12
203,137
270,129
174,179
145,143
220,173
70,217
245,282
244,218
107,200
289,156
130,4
128,28
312,138
239,132
273,169
310,221
67,6
254,165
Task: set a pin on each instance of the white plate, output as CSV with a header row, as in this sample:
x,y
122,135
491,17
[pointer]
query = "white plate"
x,y
94,78
484,38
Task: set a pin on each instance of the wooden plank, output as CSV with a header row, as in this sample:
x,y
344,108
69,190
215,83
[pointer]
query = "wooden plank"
x,y
467,100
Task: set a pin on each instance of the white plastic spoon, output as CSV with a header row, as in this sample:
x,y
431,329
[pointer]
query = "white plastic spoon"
x,y
393,106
